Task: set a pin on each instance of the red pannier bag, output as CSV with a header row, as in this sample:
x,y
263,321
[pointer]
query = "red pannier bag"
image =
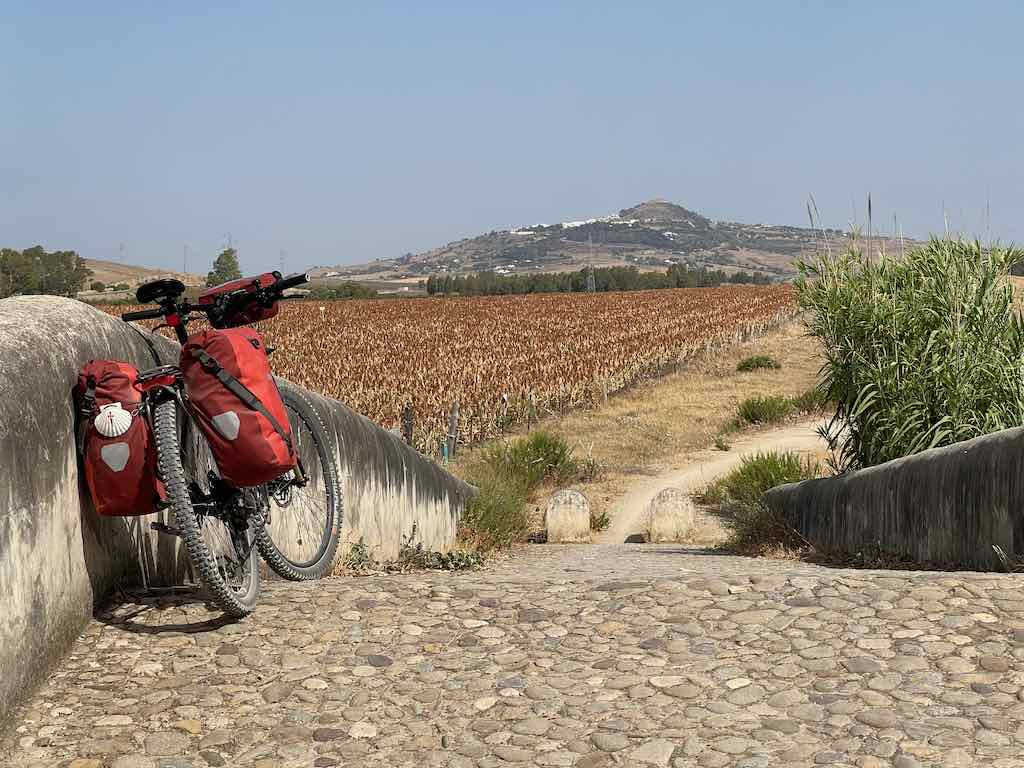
x,y
252,312
115,441
235,399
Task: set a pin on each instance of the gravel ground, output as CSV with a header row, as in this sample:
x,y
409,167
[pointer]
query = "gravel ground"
x,y
588,656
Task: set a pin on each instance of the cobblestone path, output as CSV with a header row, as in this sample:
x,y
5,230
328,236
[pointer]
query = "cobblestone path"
x,y
564,656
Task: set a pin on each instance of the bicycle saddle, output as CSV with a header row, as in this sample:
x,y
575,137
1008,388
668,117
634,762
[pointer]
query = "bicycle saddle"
x,y
155,290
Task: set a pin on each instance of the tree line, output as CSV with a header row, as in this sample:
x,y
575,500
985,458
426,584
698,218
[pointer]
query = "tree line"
x,y
605,279
347,289
36,270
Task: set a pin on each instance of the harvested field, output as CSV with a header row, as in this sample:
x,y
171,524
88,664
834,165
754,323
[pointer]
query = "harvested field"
x,y
505,359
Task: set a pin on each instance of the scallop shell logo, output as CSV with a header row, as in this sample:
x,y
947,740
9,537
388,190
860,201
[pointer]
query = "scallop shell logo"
x,y
112,420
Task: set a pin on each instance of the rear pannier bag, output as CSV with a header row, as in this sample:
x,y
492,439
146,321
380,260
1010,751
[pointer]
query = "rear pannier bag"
x,y
233,396
115,441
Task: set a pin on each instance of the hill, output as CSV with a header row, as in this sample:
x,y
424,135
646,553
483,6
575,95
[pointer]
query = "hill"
x,y
650,235
113,272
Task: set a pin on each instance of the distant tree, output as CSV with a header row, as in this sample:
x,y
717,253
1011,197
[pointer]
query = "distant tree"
x,y
225,267
36,270
628,278
18,273
97,285
346,289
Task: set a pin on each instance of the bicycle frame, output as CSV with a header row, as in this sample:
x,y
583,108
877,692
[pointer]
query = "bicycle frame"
x,y
197,490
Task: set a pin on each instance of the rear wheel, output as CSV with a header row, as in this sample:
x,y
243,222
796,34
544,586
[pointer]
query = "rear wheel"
x,y
219,538
302,525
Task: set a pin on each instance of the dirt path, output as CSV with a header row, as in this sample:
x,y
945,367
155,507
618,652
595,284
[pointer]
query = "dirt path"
x,y
627,513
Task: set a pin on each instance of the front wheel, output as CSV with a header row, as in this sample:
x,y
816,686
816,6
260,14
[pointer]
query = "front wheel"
x,y
219,538
302,517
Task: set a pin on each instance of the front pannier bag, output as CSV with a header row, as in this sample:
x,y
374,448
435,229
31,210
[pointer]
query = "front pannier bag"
x,y
250,313
233,396
115,441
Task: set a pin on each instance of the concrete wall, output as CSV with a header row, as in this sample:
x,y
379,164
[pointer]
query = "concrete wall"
x,y
944,506
58,557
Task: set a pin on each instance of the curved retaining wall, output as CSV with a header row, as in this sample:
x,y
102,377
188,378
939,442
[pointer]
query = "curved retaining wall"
x,y
58,557
945,506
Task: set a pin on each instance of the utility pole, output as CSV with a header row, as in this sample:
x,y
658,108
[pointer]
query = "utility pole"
x,y
591,280
280,261
184,259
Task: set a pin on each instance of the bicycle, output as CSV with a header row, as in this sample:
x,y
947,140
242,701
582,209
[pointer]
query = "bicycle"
x,y
294,521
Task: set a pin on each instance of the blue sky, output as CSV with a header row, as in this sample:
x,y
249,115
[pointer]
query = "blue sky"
x,y
340,132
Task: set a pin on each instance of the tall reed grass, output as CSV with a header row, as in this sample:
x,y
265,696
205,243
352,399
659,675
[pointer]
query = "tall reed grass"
x,y
920,351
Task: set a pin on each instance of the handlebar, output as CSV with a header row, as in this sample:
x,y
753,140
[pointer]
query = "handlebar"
x,y
236,301
290,282
224,305
143,314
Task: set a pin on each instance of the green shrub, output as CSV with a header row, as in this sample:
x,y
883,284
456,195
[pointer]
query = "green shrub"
x,y
755,529
813,400
712,495
732,425
415,557
764,409
752,526
539,457
758,362
921,351
506,475
756,474
497,516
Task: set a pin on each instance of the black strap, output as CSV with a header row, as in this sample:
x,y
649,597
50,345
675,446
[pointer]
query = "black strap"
x,y
85,412
242,392
145,335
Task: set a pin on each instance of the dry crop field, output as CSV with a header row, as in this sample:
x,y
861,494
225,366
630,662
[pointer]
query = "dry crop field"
x,y
506,358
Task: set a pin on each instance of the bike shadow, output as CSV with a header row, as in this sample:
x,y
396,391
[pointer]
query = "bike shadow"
x,y
121,551
180,610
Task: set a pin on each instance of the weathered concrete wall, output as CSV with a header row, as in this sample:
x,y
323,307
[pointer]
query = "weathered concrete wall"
x,y
58,557
388,487
947,505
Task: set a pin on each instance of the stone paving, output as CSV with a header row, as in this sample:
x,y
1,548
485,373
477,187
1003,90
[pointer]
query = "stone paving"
x,y
585,656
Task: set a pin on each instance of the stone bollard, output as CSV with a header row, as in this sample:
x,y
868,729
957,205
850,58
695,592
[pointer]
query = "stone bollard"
x,y
567,518
669,517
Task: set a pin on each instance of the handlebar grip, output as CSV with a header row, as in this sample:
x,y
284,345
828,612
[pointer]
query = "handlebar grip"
x,y
290,282
143,314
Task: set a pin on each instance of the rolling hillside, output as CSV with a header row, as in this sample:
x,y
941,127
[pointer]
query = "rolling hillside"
x,y
112,272
649,236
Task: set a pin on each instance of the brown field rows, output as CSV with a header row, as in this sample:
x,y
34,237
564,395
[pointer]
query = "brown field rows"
x,y
504,359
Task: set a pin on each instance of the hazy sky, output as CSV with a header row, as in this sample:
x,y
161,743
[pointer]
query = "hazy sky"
x,y
341,132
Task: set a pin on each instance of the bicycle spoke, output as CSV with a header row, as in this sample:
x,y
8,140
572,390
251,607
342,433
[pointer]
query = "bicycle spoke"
x,y
299,538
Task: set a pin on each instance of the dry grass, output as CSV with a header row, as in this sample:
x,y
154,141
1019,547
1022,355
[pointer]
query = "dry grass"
x,y
654,425
1018,290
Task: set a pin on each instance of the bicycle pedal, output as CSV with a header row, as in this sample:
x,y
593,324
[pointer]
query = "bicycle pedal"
x,y
167,529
